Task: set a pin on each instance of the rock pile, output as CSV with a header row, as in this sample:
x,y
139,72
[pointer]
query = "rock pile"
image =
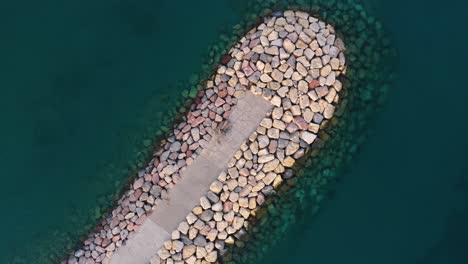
x,y
212,106
293,60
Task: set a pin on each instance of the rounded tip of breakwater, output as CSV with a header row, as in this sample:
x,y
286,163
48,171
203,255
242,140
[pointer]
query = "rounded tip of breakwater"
x,y
259,113
249,125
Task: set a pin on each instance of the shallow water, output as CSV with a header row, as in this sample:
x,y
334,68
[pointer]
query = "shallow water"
x,y
76,76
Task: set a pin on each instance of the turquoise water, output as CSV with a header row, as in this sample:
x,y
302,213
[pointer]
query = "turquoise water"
x,y
76,76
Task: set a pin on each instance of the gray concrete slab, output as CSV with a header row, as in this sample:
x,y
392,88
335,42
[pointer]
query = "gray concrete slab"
x,y
196,179
142,245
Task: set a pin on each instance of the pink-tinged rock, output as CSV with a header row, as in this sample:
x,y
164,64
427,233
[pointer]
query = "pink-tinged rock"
x,y
313,84
116,238
222,93
321,91
188,153
98,240
134,196
227,114
245,63
170,185
252,66
229,100
248,71
202,130
138,183
301,123
130,226
231,91
218,118
179,135
227,206
254,42
176,179
260,199
197,121
115,222
184,147
105,242
291,128
212,115
219,102
194,146
225,59
122,225
147,177
196,113
186,128
140,220
154,178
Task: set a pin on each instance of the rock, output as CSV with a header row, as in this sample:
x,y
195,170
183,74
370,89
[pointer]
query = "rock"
x,y
164,253
330,79
270,166
325,71
318,118
269,178
199,241
195,132
288,46
335,63
272,50
321,91
313,84
265,78
191,218
177,245
300,122
288,162
201,252
79,253
316,63
291,148
328,112
277,75
276,101
263,141
301,69
308,137
207,215
273,133
212,256
281,21
183,227
175,146
205,203
266,158
216,187
188,251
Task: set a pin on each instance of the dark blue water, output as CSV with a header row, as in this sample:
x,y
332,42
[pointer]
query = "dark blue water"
x,y
76,76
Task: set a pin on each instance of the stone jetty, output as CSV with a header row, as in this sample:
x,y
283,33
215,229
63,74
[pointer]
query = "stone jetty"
x,y
259,113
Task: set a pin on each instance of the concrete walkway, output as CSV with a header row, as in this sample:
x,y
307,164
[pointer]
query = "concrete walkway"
x,y
196,179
